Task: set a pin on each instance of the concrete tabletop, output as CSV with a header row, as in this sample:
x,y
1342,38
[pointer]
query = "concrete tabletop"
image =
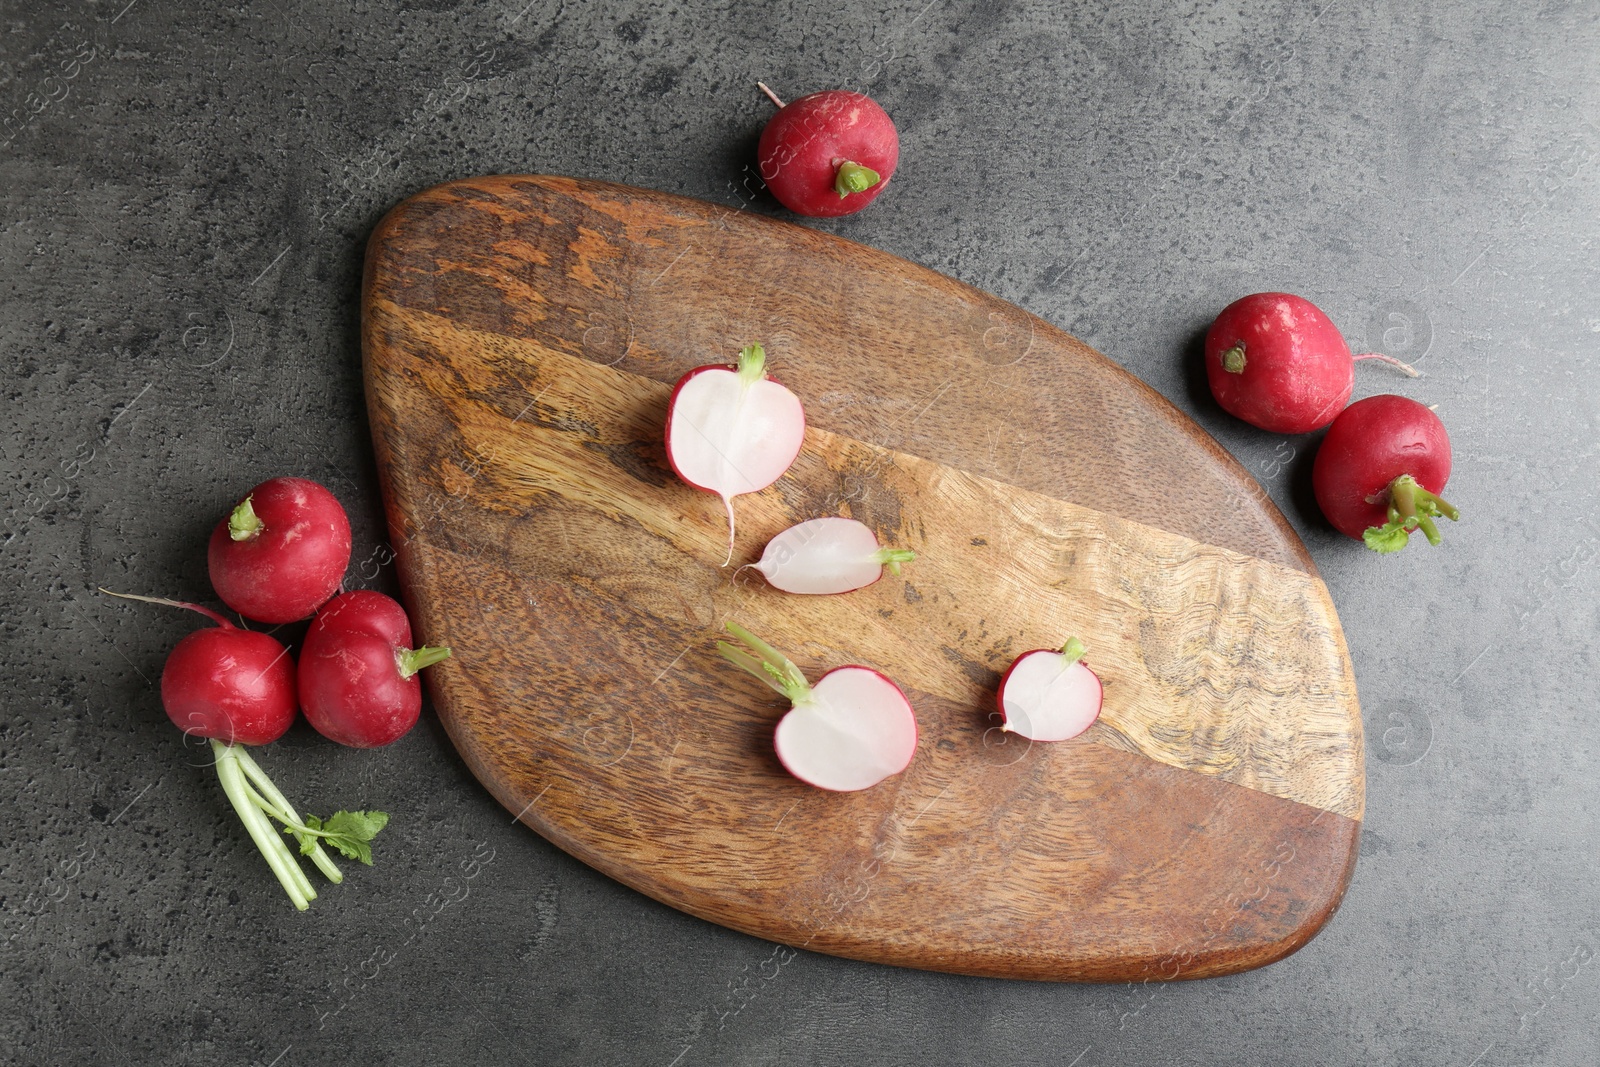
x,y
188,189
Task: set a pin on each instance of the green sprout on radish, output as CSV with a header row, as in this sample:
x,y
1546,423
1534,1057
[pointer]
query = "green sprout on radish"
x,y
1411,508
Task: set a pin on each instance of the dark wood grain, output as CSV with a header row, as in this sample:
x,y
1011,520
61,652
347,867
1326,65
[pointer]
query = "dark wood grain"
x,y
520,335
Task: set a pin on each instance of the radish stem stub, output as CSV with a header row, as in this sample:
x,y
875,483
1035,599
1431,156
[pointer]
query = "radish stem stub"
x,y
733,430
828,555
1050,694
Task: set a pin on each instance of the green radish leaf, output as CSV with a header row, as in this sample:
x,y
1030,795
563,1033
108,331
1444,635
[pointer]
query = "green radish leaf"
x,y
1390,537
349,832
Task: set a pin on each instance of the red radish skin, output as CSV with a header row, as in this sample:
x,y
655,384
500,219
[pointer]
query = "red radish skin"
x,y
1277,362
848,732
358,671
1050,694
829,555
829,153
731,430
233,685
282,552
1380,470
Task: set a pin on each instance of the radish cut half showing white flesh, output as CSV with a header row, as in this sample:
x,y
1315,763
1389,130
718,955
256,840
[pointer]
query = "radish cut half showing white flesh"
x,y
856,729
733,430
1050,694
850,731
828,555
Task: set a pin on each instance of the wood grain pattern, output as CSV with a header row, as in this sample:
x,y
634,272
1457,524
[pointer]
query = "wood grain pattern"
x,y
1207,824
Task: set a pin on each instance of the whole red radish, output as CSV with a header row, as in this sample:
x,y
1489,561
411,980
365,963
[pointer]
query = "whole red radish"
x,y
234,685
282,552
358,671
1050,694
1380,469
849,731
829,153
733,430
1277,362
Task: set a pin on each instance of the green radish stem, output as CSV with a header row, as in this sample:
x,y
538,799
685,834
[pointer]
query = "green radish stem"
x,y
1411,507
752,364
1233,359
244,523
893,557
231,773
413,660
854,178
274,796
1072,651
767,663
258,801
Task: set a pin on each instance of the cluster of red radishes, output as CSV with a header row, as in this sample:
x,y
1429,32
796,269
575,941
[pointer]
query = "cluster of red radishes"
x,y
731,430
278,557
1274,360
1277,362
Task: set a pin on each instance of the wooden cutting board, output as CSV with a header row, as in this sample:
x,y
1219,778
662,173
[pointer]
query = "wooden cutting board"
x,y
521,335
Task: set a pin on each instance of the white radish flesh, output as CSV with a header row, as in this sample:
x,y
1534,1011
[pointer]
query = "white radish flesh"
x,y
1050,694
850,731
732,430
828,555
855,730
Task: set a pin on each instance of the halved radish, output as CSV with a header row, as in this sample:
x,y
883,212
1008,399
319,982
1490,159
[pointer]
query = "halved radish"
x,y
732,430
828,555
1050,694
850,731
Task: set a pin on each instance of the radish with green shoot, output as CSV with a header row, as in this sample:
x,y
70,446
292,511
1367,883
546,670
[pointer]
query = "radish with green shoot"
x,y
829,153
828,555
732,430
849,731
1380,470
358,671
1050,694
237,688
281,552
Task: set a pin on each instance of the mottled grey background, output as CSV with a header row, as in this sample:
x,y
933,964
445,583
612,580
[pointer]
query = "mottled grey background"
x,y
187,190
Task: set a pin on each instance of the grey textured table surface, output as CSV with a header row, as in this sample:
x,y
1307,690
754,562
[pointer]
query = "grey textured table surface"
x,y
187,192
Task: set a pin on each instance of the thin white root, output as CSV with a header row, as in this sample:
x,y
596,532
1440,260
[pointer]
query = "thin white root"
x,y
770,94
727,502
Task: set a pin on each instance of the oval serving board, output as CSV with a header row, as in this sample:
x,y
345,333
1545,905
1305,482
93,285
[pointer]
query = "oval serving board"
x,y
521,335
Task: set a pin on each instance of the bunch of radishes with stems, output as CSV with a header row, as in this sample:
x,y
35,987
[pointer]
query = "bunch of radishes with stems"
x,y
279,556
1277,362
